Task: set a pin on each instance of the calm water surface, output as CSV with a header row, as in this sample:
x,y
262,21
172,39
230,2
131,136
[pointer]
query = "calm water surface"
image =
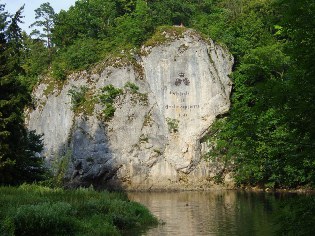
x,y
212,213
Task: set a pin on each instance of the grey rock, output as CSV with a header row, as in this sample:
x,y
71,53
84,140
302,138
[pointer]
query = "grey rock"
x,y
153,140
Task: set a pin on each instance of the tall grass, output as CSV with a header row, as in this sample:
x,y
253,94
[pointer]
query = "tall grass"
x,y
37,210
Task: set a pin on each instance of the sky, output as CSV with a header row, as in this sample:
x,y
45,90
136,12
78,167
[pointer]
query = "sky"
x,y
30,5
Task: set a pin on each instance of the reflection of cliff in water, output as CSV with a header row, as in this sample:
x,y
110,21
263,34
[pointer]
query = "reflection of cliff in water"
x,y
210,213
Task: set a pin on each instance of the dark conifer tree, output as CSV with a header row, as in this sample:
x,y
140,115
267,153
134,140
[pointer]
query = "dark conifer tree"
x,y
18,160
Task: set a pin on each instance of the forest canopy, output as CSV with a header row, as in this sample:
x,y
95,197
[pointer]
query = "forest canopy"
x,y
269,132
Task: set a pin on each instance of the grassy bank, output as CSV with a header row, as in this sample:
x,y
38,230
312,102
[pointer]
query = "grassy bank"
x,y
37,210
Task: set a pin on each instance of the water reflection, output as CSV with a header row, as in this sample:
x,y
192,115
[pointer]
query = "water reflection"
x,y
212,213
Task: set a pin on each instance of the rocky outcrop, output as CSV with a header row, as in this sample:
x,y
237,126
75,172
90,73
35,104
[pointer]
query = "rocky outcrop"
x,y
170,95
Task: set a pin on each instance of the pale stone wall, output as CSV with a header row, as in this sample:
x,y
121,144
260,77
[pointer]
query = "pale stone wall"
x,y
151,143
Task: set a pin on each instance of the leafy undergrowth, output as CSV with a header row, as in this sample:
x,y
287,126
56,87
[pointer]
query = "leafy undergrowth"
x,y
165,34
37,210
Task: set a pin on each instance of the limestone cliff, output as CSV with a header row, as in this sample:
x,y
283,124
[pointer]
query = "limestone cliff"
x,y
170,95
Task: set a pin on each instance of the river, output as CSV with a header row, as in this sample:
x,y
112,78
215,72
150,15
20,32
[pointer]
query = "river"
x,y
228,213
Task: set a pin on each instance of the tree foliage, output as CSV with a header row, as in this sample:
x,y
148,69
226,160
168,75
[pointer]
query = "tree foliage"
x,y
44,16
18,147
269,133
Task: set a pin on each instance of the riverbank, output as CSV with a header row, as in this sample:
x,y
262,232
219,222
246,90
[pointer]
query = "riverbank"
x,y
218,187
277,190
37,210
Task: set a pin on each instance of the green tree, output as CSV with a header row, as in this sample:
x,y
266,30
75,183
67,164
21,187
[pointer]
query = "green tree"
x,y
35,61
298,24
14,40
126,6
268,134
98,19
139,24
18,161
45,16
3,71
35,56
173,12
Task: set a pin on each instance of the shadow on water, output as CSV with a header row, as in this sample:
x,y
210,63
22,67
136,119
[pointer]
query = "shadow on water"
x,y
229,213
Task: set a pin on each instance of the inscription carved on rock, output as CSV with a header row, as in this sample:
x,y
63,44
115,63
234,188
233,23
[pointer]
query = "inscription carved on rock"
x,y
182,79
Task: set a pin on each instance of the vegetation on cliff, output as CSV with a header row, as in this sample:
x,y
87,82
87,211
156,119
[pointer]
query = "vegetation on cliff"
x,y
269,132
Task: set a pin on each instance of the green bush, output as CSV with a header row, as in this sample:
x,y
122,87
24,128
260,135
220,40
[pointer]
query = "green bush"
x,y
44,219
99,225
7,227
82,54
78,96
172,125
37,58
132,87
59,70
109,93
108,112
107,97
38,210
60,166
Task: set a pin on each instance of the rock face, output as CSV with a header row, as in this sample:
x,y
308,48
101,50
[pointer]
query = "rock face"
x,y
170,96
